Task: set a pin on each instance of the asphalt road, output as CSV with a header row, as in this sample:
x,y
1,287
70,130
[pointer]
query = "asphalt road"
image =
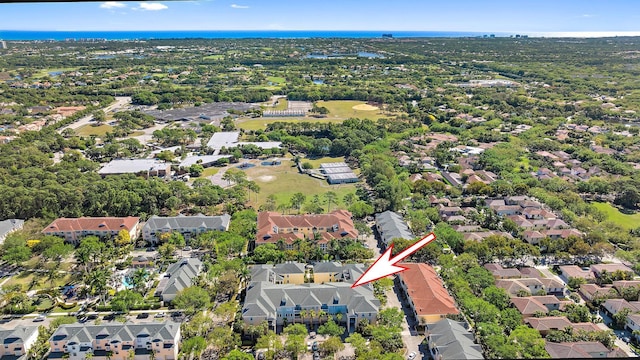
x,y
120,102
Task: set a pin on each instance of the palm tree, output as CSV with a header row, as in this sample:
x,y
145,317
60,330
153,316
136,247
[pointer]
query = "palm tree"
x,y
338,318
139,280
331,199
303,315
312,316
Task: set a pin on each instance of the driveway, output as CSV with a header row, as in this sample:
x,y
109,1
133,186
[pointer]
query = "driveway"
x,y
410,337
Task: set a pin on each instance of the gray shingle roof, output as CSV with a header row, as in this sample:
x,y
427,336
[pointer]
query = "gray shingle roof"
x,y
391,226
454,341
7,226
181,276
17,335
156,223
264,298
82,333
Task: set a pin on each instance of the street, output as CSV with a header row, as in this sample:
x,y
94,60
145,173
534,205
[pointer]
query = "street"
x,y
120,102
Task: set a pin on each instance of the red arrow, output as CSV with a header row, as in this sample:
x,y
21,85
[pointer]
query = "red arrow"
x,y
385,265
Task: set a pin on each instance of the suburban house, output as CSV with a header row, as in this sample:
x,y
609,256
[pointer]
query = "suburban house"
x,y
9,226
590,292
390,225
322,228
580,350
633,322
144,167
280,304
600,269
574,271
430,302
116,341
515,287
530,305
546,324
179,276
613,306
448,339
74,229
16,342
501,273
188,226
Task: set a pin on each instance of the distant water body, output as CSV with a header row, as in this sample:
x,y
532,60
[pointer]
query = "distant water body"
x,y
224,34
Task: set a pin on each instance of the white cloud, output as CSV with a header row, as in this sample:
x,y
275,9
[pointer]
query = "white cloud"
x,y
586,15
152,6
112,5
236,6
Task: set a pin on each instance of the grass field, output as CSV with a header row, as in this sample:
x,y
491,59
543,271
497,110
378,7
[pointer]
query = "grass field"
x,y
261,123
24,279
613,214
87,130
213,57
327,159
283,104
45,72
276,80
343,109
210,171
284,180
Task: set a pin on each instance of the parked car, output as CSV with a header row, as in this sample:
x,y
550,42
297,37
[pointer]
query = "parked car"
x,y
159,315
39,318
412,355
314,346
316,356
309,346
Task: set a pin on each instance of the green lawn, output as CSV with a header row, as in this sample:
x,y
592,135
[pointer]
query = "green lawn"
x,y
45,72
613,214
343,109
213,57
24,279
210,171
276,80
87,130
283,104
327,159
284,180
261,123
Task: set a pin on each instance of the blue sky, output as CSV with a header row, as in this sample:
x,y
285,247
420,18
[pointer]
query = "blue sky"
x,y
411,15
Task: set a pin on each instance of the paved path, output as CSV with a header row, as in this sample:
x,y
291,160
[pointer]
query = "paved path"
x,y
410,337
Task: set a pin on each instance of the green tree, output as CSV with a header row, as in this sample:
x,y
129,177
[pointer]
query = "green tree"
x,y
125,300
297,200
331,328
332,345
192,299
236,354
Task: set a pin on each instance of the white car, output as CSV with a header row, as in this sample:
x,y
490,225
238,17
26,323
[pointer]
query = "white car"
x,y
412,355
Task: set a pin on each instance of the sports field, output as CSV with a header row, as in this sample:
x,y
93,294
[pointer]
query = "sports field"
x,y
261,123
284,180
628,221
87,130
344,109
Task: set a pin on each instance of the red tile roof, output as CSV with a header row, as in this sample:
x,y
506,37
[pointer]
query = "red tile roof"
x,y
92,224
268,220
426,290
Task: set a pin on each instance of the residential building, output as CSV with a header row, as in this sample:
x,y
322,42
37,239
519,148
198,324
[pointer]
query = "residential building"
x,y
74,229
592,291
531,305
274,228
188,226
285,273
516,287
280,304
430,302
16,342
580,350
334,271
179,276
9,226
600,269
144,167
558,323
390,225
501,273
633,322
574,271
613,306
448,339
116,341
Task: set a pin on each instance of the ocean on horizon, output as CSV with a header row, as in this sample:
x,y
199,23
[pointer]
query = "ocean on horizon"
x,y
222,34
